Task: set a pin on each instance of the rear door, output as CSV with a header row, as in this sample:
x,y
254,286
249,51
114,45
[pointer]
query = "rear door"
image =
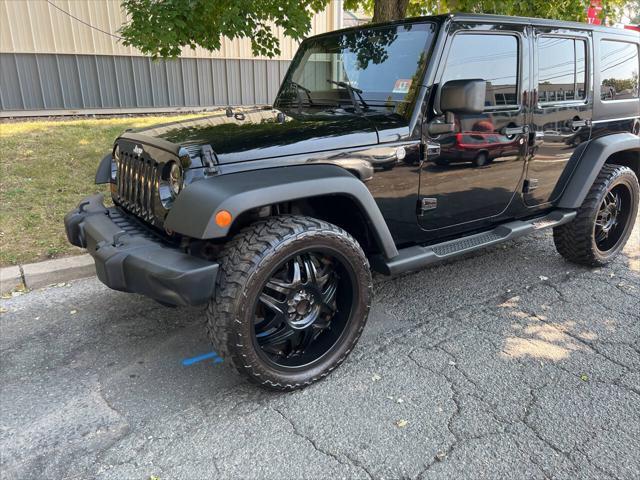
x,y
482,163
562,109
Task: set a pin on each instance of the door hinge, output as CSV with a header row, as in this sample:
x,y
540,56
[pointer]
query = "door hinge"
x,y
530,184
209,159
426,204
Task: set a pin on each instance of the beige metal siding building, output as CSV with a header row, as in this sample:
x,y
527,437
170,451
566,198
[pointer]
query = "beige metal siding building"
x,y
63,56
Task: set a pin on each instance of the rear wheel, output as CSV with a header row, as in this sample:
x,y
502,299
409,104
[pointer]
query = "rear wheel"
x,y
481,159
604,221
292,299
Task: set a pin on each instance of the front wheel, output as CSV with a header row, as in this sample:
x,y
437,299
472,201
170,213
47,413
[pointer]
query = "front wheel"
x,y
292,299
605,220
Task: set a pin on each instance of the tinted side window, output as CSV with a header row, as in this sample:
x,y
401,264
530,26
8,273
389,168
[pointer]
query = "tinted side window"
x,y
561,69
618,70
493,58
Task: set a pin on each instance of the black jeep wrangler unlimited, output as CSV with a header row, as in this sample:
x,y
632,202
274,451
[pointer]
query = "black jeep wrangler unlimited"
x,y
389,147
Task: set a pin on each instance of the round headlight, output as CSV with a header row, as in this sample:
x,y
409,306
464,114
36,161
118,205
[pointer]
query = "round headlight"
x,y
175,178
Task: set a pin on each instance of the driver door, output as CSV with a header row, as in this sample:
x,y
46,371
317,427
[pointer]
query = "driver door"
x,y
477,173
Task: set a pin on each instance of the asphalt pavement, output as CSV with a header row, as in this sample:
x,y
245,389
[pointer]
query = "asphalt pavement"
x,y
510,363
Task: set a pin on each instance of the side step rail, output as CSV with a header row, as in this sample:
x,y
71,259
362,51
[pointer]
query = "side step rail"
x,y
417,257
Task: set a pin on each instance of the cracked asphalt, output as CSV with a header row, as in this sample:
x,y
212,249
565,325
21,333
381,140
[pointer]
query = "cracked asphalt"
x,y
510,363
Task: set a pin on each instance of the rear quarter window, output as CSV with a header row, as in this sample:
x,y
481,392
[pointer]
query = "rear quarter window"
x,y
619,68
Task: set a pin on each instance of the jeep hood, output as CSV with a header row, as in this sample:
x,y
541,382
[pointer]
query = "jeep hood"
x,y
257,134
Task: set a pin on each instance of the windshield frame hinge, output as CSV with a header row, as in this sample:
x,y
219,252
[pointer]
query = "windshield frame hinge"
x,y
209,159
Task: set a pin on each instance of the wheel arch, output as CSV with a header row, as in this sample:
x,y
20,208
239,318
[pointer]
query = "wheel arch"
x,y
626,158
619,147
326,191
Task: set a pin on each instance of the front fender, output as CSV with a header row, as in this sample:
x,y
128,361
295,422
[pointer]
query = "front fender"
x,y
591,162
193,211
103,174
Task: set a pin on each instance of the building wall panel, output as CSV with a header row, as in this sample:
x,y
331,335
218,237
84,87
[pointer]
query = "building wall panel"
x,y
108,85
260,82
10,88
273,78
205,81
159,84
124,79
70,81
190,82
174,83
88,77
234,96
35,26
247,83
20,27
49,81
6,38
52,61
31,91
220,94
75,82
142,83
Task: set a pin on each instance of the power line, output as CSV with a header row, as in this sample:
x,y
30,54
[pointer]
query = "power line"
x,y
82,21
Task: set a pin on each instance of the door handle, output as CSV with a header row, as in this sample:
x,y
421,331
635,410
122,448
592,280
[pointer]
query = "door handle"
x,y
510,131
577,123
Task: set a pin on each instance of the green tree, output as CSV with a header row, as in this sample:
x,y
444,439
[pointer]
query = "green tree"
x,y
161,28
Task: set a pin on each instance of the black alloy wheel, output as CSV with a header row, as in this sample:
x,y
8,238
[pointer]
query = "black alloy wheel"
x,y
612,218
299,315
605,220
291,300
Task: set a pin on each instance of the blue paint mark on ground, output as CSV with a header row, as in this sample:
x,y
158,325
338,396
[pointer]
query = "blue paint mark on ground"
x,y
190,361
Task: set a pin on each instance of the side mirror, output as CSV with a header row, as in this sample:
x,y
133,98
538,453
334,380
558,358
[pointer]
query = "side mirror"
x,y
461,97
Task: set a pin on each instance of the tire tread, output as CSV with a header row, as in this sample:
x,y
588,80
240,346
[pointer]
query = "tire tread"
x,y
239,260
574,240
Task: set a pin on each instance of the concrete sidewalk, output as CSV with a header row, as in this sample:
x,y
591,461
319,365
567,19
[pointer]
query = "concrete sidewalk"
x,y
37,275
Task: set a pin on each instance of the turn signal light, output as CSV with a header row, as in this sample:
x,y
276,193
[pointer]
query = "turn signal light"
x,y
223,218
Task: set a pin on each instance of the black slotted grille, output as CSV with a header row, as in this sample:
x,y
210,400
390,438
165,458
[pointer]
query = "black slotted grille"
x,y
137,184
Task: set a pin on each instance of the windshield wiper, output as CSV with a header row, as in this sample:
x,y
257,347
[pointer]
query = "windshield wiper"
x,y
352,91
299,88
304,89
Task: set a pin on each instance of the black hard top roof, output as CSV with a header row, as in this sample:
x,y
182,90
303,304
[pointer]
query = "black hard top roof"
x,y
504,19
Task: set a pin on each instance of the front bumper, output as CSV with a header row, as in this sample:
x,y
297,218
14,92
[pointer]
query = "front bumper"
x,y
129,258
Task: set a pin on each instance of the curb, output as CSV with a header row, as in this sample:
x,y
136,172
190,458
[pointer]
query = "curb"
x,y
41,274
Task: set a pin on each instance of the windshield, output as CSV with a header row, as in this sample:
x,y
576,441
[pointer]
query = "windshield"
x,y
358,70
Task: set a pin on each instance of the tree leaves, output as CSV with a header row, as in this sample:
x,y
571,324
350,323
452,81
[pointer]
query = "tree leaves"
x,y
575,10
162,28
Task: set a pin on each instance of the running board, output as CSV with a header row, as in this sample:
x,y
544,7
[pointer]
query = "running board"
x,y
417,257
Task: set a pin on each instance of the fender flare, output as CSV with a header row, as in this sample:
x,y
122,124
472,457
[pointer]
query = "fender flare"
x,y
591,162
103,173
193,211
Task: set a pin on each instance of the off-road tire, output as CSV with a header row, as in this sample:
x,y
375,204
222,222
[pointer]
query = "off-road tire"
x,y
576,240
245,264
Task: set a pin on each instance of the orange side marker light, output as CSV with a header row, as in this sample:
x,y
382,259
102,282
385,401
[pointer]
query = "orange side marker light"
x,y
223,218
